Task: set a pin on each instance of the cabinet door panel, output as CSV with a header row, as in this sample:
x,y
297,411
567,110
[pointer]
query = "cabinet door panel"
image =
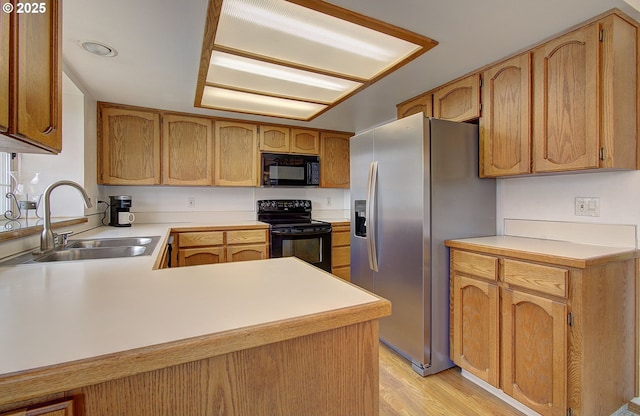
x,y
274,139
535,352
236,154
459,101
566,127
5,62
187,150
130,147
505,126
334,160
419,105
247,252
39,77
475,335
305,141
203,255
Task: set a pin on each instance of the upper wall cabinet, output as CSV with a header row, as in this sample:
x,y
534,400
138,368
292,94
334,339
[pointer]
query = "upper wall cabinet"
x,y
281,139
458,101
505,126
274,139
128,146
334,160
585,105
31,80
187,150
421,104
305,141
236,154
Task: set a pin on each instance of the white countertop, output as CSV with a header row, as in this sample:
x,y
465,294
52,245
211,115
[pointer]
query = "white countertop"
x,y
59,312
541,247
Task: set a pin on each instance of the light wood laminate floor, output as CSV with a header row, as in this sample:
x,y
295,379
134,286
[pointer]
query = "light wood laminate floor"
x,y
405,393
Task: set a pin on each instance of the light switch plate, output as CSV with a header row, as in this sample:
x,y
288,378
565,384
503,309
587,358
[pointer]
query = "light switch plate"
x,y
587,206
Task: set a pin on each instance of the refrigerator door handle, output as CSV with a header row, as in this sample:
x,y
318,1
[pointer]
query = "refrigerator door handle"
x,y
371,218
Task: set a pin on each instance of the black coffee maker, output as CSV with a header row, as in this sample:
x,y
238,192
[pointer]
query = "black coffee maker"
x,y
119,211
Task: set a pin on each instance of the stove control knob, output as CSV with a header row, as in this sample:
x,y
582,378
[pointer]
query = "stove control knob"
x,y
307,204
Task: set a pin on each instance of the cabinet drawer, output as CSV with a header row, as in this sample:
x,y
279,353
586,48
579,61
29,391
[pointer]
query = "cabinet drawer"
x,y
340,239
475,264
201,238
340,256
246,236
545,279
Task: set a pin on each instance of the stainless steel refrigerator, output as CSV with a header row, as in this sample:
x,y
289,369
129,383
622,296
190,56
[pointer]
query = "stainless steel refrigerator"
x,y
415,184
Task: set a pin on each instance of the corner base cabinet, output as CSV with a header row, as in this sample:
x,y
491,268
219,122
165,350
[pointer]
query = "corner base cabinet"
x,y
550,331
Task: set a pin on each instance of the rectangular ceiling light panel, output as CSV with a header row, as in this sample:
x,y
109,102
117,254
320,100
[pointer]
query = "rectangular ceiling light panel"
x,y
252,75
307,50
243,102
287,32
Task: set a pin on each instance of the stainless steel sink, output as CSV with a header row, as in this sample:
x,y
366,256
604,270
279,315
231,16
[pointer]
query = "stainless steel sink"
x,y
90,249
110,242
70,254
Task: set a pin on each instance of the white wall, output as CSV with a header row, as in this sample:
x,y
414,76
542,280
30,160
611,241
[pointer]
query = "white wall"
x,y
69,164
552,197
167,199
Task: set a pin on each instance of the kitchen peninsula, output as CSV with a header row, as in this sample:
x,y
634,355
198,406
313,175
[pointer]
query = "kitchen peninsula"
x,y
274,336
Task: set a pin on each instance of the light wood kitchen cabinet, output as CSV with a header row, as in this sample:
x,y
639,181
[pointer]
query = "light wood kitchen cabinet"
x,y
5,63
505,125
128,146
585,106
334,160
218,245
275,139
281,139
243,245
201,247
187,150
60,408
341,250
31,93
564,325
422,103
475,315
305,141
236,154
458,101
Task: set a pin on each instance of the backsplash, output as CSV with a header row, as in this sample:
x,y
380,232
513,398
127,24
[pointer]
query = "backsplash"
x,y
166,203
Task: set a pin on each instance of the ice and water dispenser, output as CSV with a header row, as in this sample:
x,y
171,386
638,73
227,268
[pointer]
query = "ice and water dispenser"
x,y
360,209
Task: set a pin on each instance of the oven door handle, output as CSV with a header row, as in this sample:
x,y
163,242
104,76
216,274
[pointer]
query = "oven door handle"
x,y
304,233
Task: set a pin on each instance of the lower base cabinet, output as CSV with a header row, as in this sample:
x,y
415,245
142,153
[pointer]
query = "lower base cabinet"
x,y
341,250
559,339
220,246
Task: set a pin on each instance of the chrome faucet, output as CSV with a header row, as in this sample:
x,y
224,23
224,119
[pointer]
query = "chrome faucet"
x,y
47,240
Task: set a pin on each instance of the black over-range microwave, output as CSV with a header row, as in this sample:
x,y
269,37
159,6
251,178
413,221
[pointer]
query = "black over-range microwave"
x,y
279,169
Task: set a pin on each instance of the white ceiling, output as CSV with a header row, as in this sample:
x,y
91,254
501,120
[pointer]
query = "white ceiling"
x,y
159,42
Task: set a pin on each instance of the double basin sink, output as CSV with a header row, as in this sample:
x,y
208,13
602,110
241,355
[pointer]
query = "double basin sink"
x,y
95,248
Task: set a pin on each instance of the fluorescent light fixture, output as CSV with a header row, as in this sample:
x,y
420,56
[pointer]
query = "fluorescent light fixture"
x,y
306,50
258,104
266,69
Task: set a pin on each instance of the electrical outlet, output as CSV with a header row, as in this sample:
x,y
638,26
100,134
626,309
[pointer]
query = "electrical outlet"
x,y
191,202
588,207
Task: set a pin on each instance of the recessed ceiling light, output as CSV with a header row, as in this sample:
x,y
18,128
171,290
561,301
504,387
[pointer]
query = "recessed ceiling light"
x,y
97,48
309,51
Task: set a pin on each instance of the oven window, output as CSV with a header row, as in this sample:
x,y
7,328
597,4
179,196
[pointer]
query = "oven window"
x,y
308,249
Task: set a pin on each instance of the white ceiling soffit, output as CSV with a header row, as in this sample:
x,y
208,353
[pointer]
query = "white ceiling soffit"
x,y
295,58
